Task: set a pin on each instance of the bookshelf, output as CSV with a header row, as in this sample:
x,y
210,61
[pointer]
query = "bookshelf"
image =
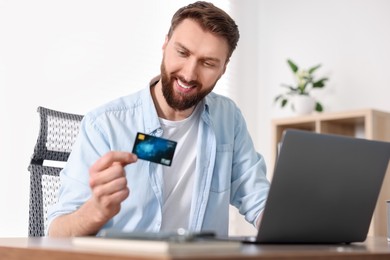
x,y
365,123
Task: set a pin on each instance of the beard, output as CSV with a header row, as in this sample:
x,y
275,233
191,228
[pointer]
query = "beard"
x,y
177,100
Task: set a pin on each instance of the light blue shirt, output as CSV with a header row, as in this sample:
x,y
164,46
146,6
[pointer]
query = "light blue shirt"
x,y
228,169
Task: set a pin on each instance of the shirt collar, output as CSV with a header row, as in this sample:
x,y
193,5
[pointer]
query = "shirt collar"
x,y
151,122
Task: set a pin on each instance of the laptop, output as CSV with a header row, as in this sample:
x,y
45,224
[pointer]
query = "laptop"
x,y
324,189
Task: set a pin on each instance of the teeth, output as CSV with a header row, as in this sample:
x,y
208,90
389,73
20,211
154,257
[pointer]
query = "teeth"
x,y
181,84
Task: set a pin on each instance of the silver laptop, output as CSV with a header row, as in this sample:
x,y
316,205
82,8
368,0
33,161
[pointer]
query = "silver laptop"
x,y
324,189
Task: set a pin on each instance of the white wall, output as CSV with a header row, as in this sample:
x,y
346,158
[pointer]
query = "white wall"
x,y
350,39
74,55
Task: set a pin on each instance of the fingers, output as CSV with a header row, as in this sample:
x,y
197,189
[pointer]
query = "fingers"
x,y
109,204
113,200
111,185
108,182
105,176
107,197
109,158
110,167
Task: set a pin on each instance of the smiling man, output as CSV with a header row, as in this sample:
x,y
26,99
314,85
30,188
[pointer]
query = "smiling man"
x,y
104,185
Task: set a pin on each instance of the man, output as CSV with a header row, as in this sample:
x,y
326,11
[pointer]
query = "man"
x,y
103,185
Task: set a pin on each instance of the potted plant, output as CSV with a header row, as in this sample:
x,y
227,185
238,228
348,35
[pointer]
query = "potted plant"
x,y
299,94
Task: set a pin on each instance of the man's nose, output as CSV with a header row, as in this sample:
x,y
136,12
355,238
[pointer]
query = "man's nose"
x,y
190,70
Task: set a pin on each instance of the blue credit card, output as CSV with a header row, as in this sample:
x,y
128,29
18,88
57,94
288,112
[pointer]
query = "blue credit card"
x,y
154,149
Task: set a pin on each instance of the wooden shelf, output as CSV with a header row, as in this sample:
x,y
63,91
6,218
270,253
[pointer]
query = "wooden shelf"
x,y
366,123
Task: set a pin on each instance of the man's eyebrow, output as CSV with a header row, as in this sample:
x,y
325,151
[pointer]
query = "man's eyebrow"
x,y
206,58
178,44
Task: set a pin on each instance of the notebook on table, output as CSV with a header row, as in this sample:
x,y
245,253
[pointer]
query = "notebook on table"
x,y
324,189
150,242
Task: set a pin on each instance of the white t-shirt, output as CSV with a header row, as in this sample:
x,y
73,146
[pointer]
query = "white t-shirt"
x,y
179,177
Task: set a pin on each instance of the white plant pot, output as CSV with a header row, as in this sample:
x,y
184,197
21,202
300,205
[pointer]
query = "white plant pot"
x,y
303,104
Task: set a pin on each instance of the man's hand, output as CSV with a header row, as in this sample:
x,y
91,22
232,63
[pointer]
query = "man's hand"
x,y
109,188
109,184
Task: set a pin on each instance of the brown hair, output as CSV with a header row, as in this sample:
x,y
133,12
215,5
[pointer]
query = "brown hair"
x,y
210,18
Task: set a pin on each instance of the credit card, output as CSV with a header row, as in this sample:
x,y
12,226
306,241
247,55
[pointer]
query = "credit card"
x,y
154,149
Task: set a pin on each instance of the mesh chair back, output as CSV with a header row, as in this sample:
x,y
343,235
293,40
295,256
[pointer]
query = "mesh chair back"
x,y
58,131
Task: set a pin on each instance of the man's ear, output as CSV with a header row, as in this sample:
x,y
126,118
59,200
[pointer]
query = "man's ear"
x,y
165,42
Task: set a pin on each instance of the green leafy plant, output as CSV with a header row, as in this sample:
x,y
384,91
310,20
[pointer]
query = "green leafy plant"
x,y
305,82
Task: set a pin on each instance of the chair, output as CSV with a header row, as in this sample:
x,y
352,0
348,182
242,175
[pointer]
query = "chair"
x,y
58,131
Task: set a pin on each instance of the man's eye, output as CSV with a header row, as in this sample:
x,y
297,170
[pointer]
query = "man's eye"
x,y
208,64
182,53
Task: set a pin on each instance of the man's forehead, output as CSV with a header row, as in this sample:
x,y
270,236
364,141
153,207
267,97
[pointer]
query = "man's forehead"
x,y
190,35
